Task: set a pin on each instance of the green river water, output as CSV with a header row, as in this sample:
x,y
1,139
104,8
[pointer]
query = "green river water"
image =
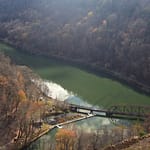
x,y
95,90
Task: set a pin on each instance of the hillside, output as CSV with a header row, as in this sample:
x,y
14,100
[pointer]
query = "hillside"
x,y
108,37
20,106
142,145
113,35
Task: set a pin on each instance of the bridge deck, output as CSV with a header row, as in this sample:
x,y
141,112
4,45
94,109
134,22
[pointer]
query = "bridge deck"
x,y
108,113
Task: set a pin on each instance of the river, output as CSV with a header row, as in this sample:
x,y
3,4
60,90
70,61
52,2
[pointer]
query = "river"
x,y
81,86
95,90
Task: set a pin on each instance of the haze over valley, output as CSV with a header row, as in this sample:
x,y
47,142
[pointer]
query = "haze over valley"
x,y
69,60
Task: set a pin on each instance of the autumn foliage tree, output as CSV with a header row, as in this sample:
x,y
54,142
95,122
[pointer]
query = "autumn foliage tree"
x,y
113,35
65,139
17,111
9,100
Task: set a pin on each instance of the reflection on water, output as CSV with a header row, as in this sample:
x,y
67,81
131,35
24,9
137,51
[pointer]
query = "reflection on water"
x,y
92,124
47,141
89,125
52,89
44,143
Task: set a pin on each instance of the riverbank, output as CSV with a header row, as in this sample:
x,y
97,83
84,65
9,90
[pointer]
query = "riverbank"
x,y
133,143
103,72
79,84
49,128
93,68
45,131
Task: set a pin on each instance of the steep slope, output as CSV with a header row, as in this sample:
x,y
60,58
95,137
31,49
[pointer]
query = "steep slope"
x,y
142,145
18,108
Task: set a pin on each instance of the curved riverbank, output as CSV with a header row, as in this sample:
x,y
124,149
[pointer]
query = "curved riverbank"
x,y
51,127
94,69
103,72
96,90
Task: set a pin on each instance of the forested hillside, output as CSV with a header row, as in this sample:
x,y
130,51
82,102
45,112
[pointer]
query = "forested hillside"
x,y
109,34
19,105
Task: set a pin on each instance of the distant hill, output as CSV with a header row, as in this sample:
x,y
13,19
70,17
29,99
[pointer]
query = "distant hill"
x,y
109,34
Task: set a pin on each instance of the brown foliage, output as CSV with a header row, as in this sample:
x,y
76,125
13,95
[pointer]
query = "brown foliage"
x,y
65,139
17,111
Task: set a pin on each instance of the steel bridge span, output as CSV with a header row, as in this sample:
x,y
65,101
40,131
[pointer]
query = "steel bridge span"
x,y
117,112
